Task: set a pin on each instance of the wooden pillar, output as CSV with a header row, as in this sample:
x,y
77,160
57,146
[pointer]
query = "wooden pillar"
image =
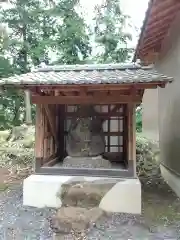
x,y
60,129
39,137
132,136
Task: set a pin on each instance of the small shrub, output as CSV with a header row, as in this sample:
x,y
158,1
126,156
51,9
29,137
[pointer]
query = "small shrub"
x,y
147,152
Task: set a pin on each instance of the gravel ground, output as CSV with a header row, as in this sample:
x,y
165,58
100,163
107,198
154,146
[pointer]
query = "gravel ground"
x,y
24,223
127,227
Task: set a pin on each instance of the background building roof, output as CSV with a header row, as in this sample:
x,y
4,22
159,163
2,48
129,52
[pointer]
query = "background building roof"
x,y
158,20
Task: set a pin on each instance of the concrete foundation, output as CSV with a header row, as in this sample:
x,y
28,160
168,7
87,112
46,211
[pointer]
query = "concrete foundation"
x,y
172,180
42,191
124,196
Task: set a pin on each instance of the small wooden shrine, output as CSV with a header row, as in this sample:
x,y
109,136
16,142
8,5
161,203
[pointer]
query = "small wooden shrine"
x,y
99,98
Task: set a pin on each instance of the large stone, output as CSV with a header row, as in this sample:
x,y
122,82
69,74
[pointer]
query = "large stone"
x,y
22,132
84,194
4,135
86,162
85,136
74,219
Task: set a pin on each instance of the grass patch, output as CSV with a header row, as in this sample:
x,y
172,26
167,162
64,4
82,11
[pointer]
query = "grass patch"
x,y
160,205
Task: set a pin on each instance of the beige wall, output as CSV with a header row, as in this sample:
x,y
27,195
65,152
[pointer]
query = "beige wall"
x,y
169,109
150,114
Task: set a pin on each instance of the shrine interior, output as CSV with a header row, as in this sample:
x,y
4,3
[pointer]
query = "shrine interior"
x,y
92,136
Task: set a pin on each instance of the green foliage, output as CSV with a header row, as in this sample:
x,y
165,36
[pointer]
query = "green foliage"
x,y
12,108
109,32
40,28
18,147
147,152
139,119
73,39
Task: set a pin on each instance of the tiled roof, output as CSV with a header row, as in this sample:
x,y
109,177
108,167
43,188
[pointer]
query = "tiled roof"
x,y
160,17
87,74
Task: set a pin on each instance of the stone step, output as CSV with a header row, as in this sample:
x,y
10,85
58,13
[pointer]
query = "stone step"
x,y
84,194
74,220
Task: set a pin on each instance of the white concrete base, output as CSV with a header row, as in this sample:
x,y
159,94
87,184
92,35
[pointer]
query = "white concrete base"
x,y
123,197
172,180
42,191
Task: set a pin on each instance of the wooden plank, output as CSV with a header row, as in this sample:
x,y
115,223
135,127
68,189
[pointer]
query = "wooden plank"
x,y
84,100
51,120
38,132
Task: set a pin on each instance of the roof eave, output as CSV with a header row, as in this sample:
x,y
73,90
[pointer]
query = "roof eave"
x,y
139,85
135,57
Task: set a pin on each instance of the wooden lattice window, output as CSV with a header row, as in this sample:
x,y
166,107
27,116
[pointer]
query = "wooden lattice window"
x,y
114,126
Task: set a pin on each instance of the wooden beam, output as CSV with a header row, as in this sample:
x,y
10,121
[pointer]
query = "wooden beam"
x,y
95,87
149,58
83,91
84,100
160,16
103,115
51,162
158,34
153,44
51,121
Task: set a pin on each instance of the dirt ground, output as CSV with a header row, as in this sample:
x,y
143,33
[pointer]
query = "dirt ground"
x,y
8,179
160,217
160,204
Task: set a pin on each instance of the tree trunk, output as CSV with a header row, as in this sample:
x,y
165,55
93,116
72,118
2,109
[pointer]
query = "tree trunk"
x,y
28,107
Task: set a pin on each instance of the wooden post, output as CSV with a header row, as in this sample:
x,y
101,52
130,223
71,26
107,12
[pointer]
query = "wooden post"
x,y
132,135
38,135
